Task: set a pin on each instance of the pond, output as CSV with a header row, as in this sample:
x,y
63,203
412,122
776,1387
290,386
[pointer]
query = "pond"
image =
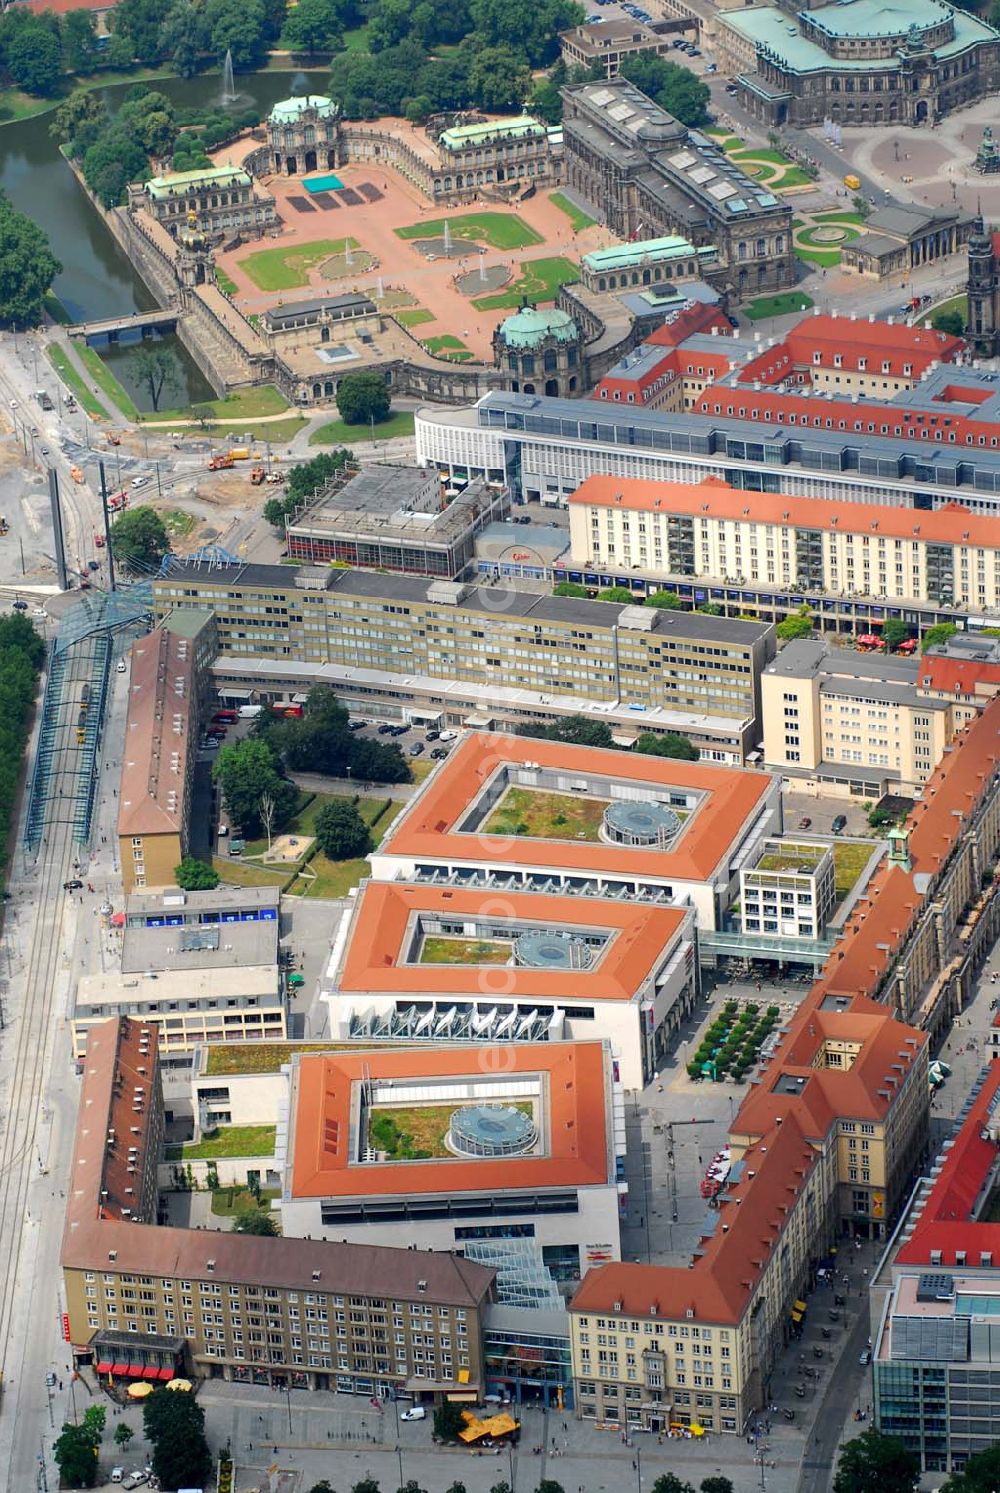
x,y
97,278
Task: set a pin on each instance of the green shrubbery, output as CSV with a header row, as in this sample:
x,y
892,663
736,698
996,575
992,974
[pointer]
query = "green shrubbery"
x,y
733,1041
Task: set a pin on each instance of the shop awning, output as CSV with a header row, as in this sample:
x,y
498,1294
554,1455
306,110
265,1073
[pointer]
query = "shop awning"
x,y
229,693
119,1368
164,1374
463,1397
103,1367
135,1370
800,1306
151,1372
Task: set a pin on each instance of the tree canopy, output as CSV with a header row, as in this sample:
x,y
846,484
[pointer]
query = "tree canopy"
x,y
794,627
667,601
341,833
894,632
193,875
576,729
27,267
363,397
175,1425
673,87
939,633
874,1460
321,741
669,744
981,1474
138,539
248,771
255,1221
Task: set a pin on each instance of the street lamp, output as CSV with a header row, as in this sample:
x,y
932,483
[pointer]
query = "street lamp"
x,y
288,1394
399,1458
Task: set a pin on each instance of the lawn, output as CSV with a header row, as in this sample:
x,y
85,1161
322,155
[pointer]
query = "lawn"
x,y
336,433
539,280
850,857
288,268
242,404
356,40
237,874
227,1140
447,346
259,1057
223,281
412,316
325,878
499,230
417,1130
105,379
777,305
177,523
577,217
302,822
274,432
959,303
228,1202
791,857
74,382
546,816
464,951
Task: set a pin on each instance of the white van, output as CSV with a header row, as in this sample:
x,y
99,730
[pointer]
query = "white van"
x,y
249,712
416,1412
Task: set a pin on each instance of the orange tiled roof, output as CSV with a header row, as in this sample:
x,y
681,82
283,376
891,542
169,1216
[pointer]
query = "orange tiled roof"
x,y
427,829
375,949
323,1140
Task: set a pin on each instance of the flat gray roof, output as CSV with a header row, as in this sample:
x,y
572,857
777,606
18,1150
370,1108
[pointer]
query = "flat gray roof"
x,y
207,938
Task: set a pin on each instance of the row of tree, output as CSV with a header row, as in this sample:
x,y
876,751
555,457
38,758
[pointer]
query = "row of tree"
x,y
578,730
21,653
667,1483
303,481
174,1424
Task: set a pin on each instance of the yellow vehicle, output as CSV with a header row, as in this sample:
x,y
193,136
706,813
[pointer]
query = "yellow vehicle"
x,y
853,183
240,453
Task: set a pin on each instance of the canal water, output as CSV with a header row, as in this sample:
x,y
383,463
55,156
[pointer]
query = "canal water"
x,y
97,278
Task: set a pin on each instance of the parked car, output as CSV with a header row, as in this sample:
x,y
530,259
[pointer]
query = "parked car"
x,y
448,735
20,606
439,753
73,885
385,728
839,824
433,736
121,667
93,564
356,725
865,1358
416,749
139,481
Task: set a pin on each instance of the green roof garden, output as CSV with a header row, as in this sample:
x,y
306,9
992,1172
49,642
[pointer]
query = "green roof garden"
x,y
180,183
461,137
791,857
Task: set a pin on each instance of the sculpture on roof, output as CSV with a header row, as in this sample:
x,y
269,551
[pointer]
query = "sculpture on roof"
x,y
987,161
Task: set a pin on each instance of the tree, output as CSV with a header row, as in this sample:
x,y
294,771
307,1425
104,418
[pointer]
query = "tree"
x,y
981,1473
27,267
620,594
549,1485
236,26
362,397
366,1485
670,1483
341,833
499,79
874,1460
75,1452
79,35
530,27
674,88
34,58
245,772
323,1486
193,875
309,476
113,160
123,1435
267,815
949,321
716,1485
670,744
274,513
456,1487
139,540
174,1423
668,600
794,627
448,1421
894,632
139,22
939,633
183,37
80,115
569,588
575,729
155,368
255,1221
314,26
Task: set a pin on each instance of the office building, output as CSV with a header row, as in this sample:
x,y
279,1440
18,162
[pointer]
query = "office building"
x,y
935,1302
168,673
540,966
857,63
394,518
847,723
286,1313
645,174
609,41
432,1148
632,826
534,656
789,889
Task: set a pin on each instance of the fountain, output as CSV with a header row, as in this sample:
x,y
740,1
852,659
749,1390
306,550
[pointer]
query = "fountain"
x,y
482,268
228,85
447,239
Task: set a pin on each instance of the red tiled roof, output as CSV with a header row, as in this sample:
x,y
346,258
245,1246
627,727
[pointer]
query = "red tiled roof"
x,y
716,499
375,958
427,830
698,317
899,345
957,676
576,1152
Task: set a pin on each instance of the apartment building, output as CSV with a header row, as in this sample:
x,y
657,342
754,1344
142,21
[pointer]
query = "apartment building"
x,y
168,681
144,1299
935,1302
661,670
712,531
851,723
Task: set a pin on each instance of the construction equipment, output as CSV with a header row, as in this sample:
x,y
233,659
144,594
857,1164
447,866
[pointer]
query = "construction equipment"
x,y
257,476
239,453
113,437
220,463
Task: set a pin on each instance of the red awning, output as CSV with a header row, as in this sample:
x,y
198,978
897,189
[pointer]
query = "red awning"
x,y
119,1368
104,1367
135,1370
166,1374
151,1372
118,921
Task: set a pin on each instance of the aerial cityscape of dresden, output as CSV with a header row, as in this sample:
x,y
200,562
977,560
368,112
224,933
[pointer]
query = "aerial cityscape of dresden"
x,y
500,504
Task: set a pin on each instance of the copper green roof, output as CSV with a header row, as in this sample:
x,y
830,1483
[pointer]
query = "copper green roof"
x,y
181,183
290,109
530,326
